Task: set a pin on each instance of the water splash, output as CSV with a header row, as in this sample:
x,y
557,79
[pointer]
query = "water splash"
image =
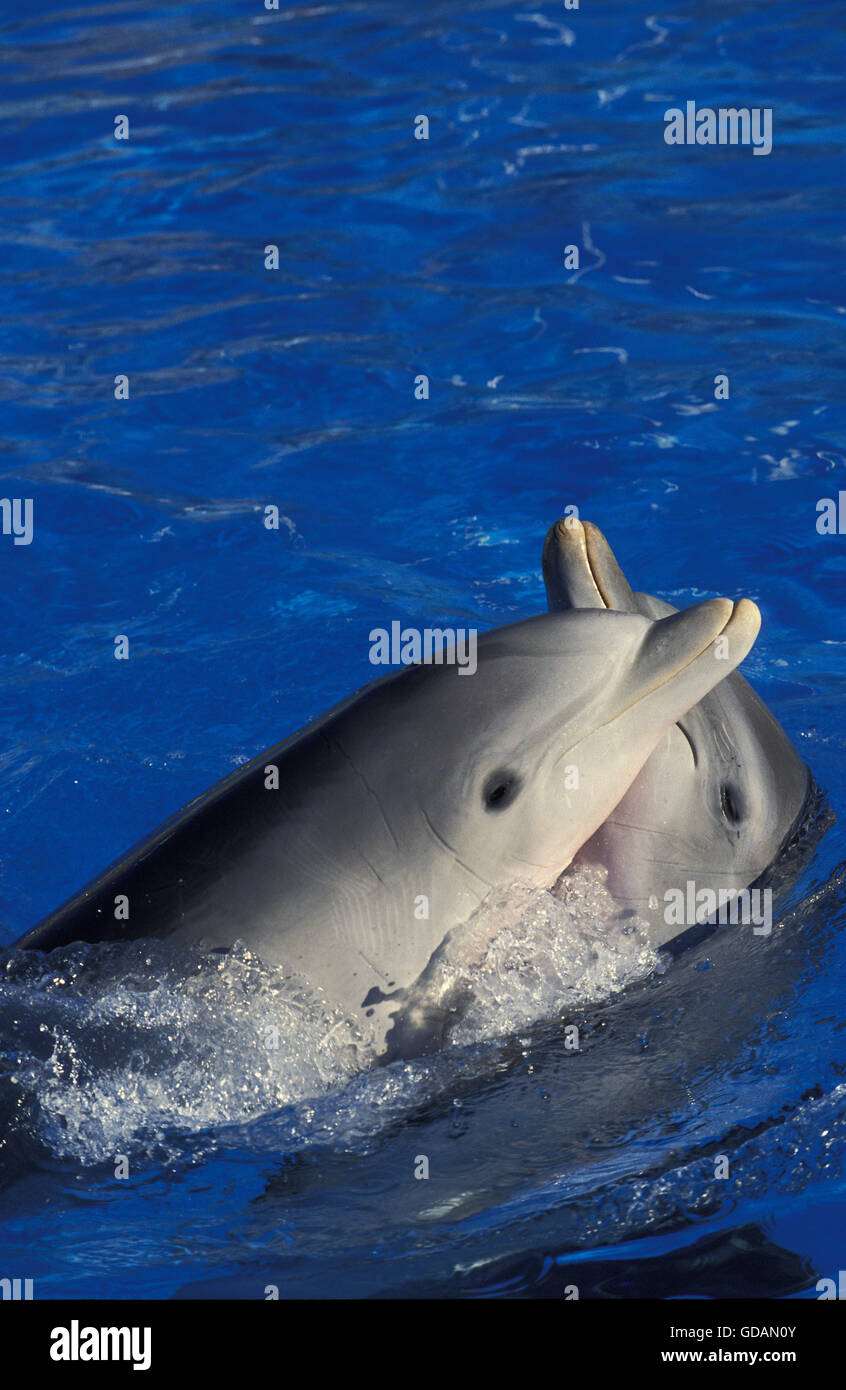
x,y
118,1047
129,1045
530,953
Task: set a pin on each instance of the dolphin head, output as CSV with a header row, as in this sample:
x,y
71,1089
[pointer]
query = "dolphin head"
x,y
718,797
516,766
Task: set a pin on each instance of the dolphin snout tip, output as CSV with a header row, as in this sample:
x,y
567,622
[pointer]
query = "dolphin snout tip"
x,y
748,610
741,615
744,620
719,610
736,620
568,529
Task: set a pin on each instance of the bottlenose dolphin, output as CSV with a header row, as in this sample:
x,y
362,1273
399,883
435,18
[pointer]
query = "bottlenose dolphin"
x,y
724,788
396,813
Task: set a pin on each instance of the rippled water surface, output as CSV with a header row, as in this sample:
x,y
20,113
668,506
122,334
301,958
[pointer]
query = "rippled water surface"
x,y
293,1164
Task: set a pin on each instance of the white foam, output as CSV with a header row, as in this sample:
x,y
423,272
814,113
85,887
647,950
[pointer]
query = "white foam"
x,y
529,953
132,1049
124,1048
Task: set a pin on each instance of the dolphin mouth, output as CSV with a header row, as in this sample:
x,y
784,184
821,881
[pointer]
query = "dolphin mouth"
x,y
673,645
586,566
604,570
744,621
674,661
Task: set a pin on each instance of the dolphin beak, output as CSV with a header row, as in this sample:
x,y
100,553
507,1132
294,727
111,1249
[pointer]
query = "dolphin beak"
x,y
581,571
690,652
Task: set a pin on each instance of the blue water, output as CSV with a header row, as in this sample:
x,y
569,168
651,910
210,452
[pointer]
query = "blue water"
x,y
294,387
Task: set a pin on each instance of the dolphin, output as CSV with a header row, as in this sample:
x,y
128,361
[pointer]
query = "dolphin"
x,y
724,789
350,850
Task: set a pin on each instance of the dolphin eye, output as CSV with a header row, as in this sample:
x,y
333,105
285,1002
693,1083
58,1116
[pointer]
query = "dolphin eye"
x,y
730,804
500,790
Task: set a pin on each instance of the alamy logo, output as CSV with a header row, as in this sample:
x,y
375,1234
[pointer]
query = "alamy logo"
x,y
17,518
439,646
77,1343
728,125
832,1288
16,1288
690,906
831,519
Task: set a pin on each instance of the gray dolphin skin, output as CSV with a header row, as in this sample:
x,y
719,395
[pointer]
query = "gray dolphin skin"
x,y
398,811
717,799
